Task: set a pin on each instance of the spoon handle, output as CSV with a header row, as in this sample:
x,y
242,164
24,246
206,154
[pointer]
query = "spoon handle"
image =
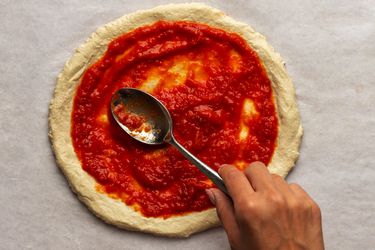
x,y
209,172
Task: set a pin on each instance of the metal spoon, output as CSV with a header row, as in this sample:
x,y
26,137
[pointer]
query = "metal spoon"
x,y
159,122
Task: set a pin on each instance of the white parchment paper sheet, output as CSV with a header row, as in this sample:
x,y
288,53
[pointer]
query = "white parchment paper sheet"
x,y
329,48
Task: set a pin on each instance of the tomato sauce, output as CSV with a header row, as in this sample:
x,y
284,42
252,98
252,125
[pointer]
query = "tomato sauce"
x,y
220,100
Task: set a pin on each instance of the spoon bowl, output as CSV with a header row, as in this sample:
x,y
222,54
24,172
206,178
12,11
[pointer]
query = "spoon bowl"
x,y
156,117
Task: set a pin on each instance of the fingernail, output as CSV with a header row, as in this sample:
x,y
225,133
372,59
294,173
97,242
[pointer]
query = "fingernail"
x,y
222,167
211,196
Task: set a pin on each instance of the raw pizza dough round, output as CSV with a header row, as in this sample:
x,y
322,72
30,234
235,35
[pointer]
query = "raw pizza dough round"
x,y
114,211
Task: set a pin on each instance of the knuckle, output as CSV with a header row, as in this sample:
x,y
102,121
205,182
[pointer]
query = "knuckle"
x,y
245,206
302,207
244,209
277,204
296,205
276,199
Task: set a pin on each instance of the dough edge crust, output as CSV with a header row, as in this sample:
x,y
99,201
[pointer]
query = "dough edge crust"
x,y
114,211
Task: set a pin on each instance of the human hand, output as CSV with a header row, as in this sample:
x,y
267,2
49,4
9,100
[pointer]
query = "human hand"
x,y
266,212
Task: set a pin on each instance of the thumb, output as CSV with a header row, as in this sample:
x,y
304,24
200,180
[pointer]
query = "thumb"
x,y
225,212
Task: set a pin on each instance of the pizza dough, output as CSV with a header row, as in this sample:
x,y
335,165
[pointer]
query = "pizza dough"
x,y
114,211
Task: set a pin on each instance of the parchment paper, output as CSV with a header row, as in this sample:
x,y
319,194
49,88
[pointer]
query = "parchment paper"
x,y
329,48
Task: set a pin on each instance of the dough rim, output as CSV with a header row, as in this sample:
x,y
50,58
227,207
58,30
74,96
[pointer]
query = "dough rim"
x,y
114,211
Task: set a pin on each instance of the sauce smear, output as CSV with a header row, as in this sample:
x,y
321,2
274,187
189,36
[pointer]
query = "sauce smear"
x,y
220,100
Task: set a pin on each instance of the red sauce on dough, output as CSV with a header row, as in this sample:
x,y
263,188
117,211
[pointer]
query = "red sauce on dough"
x,y
220,100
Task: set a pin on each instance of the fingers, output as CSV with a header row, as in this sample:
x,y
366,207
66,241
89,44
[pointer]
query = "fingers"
x,y
237,184
225,212
258,176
